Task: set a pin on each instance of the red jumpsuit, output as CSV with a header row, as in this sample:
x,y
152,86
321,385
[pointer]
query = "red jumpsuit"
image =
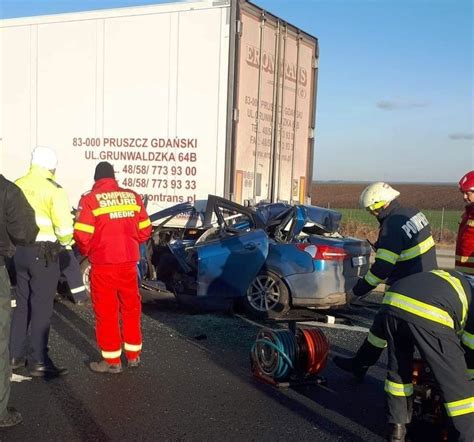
x,y
465,242
110,225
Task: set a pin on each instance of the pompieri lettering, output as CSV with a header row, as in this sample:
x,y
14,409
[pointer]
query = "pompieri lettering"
x,y
415,224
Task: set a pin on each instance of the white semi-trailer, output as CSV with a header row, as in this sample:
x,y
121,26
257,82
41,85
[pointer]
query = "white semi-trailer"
x,y
184,99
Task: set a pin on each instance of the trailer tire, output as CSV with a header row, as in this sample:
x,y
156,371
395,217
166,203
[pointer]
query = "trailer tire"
x,y
85,271
267,296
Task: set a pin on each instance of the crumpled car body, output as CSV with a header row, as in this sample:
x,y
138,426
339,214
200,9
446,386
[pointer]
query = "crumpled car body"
x,y
271,256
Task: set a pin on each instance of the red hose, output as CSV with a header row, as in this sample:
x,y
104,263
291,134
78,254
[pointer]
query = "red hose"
x,y
317,350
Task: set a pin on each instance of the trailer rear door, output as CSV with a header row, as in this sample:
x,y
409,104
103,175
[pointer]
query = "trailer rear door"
x,y
276,90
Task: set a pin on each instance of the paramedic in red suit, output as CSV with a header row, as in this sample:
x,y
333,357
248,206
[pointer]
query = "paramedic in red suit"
x,y
110,225
465,240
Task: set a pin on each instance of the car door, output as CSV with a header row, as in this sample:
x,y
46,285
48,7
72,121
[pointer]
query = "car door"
x,y
228,263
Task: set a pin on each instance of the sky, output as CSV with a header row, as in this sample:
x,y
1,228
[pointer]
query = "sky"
x,y
395,83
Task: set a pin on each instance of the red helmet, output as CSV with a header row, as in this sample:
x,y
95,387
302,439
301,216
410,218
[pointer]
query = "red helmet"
x,y
466,183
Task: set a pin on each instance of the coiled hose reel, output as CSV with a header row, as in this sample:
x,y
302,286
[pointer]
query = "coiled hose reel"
x,y
278,355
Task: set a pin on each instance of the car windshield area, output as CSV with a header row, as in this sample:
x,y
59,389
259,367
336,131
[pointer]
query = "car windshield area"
x,y
235,221
230,216
183,221
304,221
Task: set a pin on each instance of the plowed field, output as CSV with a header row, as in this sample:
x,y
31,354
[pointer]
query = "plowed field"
x,y
422,196
431,198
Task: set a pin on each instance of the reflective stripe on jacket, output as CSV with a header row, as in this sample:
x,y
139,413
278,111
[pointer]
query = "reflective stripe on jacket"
x,y
431,299
440,301
50,203
404,247
111,222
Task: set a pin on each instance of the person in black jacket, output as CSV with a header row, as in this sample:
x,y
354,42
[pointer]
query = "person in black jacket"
x,y
17,227
434,313
404,247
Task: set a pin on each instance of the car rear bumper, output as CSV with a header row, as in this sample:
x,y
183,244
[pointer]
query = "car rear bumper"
x,y
324,287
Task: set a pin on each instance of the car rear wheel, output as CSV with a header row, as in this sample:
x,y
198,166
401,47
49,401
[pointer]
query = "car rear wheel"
x,y
267,296
85,271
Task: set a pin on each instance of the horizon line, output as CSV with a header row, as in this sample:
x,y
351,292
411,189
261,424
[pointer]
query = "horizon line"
x,y
442,183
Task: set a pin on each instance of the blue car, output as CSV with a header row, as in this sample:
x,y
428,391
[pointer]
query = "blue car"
x,y
269,258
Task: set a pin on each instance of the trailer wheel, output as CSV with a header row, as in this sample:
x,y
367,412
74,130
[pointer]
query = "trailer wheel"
x,y
267,296
85,271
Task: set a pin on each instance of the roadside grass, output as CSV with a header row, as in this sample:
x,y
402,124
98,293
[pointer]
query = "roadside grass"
x,y
359,223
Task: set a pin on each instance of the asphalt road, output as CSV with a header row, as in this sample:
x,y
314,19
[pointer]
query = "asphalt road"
x,y
195,384
445,258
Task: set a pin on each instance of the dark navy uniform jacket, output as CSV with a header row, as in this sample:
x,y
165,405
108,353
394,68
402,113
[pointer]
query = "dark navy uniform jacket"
x,y
440,301
404,247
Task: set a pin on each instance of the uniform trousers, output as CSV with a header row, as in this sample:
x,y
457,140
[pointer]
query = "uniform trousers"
x,y
115,297
373,346
5,316
443,353
71,270
36,283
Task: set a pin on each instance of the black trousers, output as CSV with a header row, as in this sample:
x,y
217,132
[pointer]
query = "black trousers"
x,y
5,315
373,346
36,285
443,353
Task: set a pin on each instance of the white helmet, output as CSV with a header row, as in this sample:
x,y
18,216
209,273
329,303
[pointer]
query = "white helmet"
x,y
376,195
44,156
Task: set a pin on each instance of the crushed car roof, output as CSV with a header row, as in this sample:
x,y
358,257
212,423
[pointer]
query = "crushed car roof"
x,y
326,219
269,214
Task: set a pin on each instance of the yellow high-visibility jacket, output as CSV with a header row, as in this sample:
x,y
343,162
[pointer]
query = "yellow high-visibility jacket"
x,y
50,203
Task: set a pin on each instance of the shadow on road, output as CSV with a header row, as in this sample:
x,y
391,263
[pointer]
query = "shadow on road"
x,y
87,406
73,328
341,408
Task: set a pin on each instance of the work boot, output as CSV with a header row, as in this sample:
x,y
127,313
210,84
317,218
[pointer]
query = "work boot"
x,y
133,363
46,370
10,418
350,365
105,367
17,363
397,432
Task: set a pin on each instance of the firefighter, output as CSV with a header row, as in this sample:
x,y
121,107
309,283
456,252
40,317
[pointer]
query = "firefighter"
x,y
37,266
465,239
404,246
434,313
111,222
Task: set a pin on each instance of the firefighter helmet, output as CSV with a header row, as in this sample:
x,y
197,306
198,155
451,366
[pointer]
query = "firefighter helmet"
x,y
466,183
376,195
